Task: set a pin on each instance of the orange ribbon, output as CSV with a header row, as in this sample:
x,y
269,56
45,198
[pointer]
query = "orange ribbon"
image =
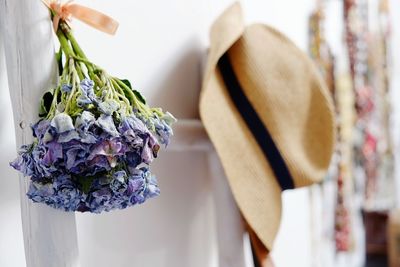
x,y
94,18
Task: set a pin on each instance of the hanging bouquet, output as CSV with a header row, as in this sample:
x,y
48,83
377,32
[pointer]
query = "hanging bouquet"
x,y
95,138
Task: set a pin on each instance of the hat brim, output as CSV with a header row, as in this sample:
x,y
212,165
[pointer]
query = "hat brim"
x,y
250,176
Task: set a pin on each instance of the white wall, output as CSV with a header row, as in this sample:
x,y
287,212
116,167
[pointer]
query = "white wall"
x,y
159,46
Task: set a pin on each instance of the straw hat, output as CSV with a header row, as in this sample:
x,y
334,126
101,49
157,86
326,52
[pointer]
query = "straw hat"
x,y
269,115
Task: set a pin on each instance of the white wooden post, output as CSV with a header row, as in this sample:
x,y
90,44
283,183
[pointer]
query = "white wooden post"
x,y
231,242
49,235
230,228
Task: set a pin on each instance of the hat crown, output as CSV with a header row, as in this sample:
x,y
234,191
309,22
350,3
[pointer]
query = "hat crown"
x,y
289,96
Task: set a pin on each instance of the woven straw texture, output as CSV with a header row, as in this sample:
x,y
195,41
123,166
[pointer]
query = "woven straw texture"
x,y
293,103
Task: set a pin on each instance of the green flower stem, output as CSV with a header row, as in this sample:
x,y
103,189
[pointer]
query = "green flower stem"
x,y
65,73
53,106
65,45
68,33
120,94
59,60
110,91
131,96
78,67
79,72
80,55
96,79
68,51
63,79
87,62
92,74
91,70
75,83
78,50
157,111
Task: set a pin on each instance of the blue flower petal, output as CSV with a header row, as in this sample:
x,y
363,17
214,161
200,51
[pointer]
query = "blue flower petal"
x,y
106,123
62,123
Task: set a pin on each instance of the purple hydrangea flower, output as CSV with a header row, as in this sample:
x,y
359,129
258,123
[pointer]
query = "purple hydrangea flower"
x,y
66,88
24,162
136,134
118,184
93,146
106,123
54,152
161,126
62,123
101,200
87,87
40,128
89,164
41,167
67,197
108,107
75,157
88,96
40,192
109,149
150,149
83,124
144,186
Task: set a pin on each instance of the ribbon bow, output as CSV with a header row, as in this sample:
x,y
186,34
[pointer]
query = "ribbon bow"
x,y
94,18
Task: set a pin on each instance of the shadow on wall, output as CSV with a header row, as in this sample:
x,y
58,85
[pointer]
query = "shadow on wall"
x,y
179,84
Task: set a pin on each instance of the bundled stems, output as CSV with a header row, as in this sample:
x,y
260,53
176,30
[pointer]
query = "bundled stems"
x,y
105,92
95,141
78,67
